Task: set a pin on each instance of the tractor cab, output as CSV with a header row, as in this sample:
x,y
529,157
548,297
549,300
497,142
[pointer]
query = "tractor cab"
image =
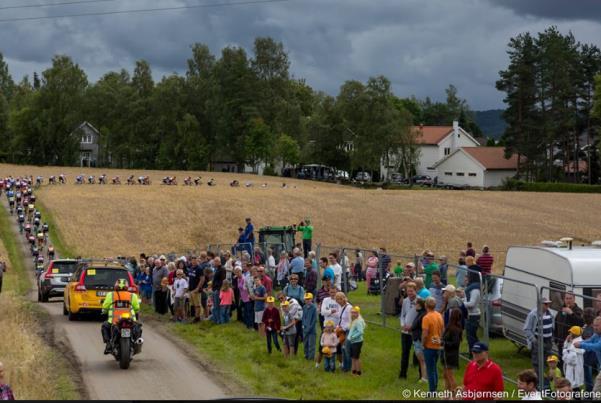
x,y
277,238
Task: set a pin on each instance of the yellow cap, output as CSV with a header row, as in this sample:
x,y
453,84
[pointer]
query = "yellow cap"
x,y
285,303
356,309
326,350
552,357
576,330
329,323
308,295
270,299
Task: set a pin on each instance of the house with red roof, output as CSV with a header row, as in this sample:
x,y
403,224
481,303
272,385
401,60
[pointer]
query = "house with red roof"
x,y
480,167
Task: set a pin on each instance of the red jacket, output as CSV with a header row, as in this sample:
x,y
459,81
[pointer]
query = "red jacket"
x,y
271,318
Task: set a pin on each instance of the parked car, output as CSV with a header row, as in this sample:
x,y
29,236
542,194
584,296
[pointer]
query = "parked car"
x,y
52,282
424,180
343,175
397,179
363,176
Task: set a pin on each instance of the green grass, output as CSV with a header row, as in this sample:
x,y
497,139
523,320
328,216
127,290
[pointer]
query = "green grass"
x,y
56,238
241,355
19,282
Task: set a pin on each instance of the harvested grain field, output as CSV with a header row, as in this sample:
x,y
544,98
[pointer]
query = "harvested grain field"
x,y
109,220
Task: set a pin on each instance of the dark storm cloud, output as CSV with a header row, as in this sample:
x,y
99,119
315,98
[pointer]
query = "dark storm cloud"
x,y
421,46
555,9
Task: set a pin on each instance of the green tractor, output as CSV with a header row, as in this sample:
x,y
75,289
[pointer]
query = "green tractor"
x,y
277,239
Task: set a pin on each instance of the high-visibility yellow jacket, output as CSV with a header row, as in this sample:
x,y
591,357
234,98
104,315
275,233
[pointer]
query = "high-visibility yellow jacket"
x,y
121,301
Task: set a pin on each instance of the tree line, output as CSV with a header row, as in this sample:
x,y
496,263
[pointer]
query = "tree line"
x,y
553,109
236,107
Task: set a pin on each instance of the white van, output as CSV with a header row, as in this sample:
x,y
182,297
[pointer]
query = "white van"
x,y
560,267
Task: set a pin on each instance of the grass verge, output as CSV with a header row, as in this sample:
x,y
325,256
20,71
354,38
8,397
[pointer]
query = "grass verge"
x,y
34,369
61,247
241,356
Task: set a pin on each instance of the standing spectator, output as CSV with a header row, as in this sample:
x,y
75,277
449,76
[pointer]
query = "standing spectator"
x,y
293,290
429,266
270,264
226,299
460,273
573,358
485,261
470,251
452,301
309,321
436,287
258,296
2,271
180,287
245,301
265,280
258,257
158,274
472,304
422,291
330,310
272,323
385,260
217,283
144,280
326,272
355,338
569,316
527,381
282,270
533,336
443,268
398,270
594,344
372,267
432,328
6,392
482,376
474,272
289,330
416,333
590,359
310,276
249,235
307,229
329,341
342,330
240,245
297,266
553,372
332,259
408,315
358,272
195,273
451,341
322,293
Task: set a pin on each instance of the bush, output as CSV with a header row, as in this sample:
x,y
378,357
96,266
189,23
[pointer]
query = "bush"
x,y
519,185
269,171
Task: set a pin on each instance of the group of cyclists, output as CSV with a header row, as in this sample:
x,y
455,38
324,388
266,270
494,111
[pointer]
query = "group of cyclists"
x,y
103,179
21,203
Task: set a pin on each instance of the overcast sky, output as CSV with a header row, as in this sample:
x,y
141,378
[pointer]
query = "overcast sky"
x,y
420,45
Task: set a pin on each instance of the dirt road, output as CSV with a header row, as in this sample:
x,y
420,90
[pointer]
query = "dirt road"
x,y
162,371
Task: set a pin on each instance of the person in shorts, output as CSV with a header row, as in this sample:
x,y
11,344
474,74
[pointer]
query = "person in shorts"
x,y
258,296
180,287
355,336
416,333
451,338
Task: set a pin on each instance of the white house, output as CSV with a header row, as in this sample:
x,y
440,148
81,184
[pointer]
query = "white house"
x,y
481,167
435,143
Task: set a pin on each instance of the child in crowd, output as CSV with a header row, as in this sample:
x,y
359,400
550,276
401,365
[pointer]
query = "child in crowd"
x,y
258,295
553,373
144,280
309,321
180,287
329,341
355,336
272,323
289,327
226,298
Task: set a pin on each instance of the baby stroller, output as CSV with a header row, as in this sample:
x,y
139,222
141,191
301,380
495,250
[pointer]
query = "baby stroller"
x,y
374,284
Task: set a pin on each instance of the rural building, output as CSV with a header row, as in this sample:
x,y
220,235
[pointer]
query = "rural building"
x,y
480,167
435,143
89,147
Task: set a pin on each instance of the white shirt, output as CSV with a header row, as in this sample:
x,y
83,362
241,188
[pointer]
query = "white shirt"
x,y
271,262
344,317
180,285
337,276
573,363
330,310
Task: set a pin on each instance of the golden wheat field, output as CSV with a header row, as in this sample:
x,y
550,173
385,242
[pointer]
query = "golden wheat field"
x,y
109,220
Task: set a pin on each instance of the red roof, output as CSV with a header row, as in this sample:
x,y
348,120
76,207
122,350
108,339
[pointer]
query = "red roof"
x,y
492,157
571,167
432,135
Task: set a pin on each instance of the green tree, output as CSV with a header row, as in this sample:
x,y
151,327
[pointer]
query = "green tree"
x,y
258,142
287,150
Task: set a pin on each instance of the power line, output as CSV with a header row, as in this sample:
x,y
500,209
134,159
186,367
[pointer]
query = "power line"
x,y
65,3
145,10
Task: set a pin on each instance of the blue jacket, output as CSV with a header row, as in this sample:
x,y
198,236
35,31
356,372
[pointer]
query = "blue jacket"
x,y
309,319
593,344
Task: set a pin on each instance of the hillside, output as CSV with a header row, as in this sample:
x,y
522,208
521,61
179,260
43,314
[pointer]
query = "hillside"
x,y
491,122
110,220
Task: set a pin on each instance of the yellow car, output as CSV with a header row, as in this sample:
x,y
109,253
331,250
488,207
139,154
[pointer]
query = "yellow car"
x,y
90,283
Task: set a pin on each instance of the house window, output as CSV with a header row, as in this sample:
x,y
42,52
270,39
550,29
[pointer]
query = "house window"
x,y
86,138
460,173
86,155
448,173
447,151
472,174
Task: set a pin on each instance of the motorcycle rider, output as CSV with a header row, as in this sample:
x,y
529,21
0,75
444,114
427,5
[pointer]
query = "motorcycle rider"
x,y
120,298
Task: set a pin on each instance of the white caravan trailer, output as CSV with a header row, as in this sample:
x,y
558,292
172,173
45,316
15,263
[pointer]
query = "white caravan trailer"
x,y
558,267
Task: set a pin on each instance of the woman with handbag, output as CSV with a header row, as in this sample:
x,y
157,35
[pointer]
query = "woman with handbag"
x,y
342,329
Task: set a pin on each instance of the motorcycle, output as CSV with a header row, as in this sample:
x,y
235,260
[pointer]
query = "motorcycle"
x,y
123,345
